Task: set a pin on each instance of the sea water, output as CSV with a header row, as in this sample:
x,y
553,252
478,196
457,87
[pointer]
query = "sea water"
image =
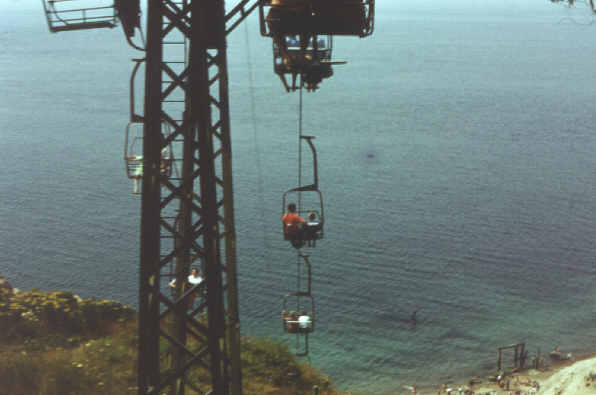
x,y
456,160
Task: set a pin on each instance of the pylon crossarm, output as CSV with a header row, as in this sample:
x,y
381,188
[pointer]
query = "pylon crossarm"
x,y
241,12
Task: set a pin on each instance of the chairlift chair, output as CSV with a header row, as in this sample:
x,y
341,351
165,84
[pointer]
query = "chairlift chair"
x,y
309,202
311,61
64,15
307,20
311,205
133,149
308,17
133,153
300,301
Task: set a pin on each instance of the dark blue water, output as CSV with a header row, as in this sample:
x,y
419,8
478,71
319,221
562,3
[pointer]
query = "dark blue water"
x,y
456,161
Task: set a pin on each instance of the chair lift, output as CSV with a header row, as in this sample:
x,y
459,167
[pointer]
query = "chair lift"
x,y
306,20
133,153
302,22
133,140
312,62
308,17
63,15
310,208
301,321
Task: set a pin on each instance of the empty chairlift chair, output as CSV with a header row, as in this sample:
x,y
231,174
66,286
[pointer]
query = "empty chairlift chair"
x,y
133,154
64,15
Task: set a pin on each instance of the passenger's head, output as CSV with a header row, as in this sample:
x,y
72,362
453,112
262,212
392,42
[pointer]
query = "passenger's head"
x,y
312,216
292,207
303,313
194,272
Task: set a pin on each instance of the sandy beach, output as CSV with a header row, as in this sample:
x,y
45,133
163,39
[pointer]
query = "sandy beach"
x,y
563,378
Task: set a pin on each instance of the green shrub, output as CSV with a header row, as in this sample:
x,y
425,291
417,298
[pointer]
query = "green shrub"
x,y
53,374
33,314
269,360
19,373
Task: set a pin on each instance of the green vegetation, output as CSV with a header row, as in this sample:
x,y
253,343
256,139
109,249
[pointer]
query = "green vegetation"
x,y
52,316
56,343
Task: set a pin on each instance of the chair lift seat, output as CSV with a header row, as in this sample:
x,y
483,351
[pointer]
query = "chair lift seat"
x,y
77,15
334,17
294,325
308,232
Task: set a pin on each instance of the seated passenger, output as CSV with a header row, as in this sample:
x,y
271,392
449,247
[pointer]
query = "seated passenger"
x,y
313,226
313,222
291,322
304,322
293,226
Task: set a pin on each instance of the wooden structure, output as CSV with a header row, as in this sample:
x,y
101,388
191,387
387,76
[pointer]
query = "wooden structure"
x,y
519,355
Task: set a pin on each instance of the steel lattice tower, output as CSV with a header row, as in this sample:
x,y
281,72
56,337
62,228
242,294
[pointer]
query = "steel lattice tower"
x,y
189,218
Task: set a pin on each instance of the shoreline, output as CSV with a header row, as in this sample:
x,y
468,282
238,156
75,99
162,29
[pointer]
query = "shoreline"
x,y
572,377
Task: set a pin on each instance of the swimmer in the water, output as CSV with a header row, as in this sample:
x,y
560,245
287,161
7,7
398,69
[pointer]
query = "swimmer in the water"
x,y
413,316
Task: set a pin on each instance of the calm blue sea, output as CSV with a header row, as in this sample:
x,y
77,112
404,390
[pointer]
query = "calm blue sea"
x,y
457,163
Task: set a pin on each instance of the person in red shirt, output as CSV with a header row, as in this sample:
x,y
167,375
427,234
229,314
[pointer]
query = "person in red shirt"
x,y
293,226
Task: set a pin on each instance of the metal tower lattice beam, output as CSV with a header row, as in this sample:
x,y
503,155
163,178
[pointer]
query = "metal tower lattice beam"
x,y
188,218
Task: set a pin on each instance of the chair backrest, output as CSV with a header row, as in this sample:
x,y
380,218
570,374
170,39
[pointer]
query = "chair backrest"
x,y
64,15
